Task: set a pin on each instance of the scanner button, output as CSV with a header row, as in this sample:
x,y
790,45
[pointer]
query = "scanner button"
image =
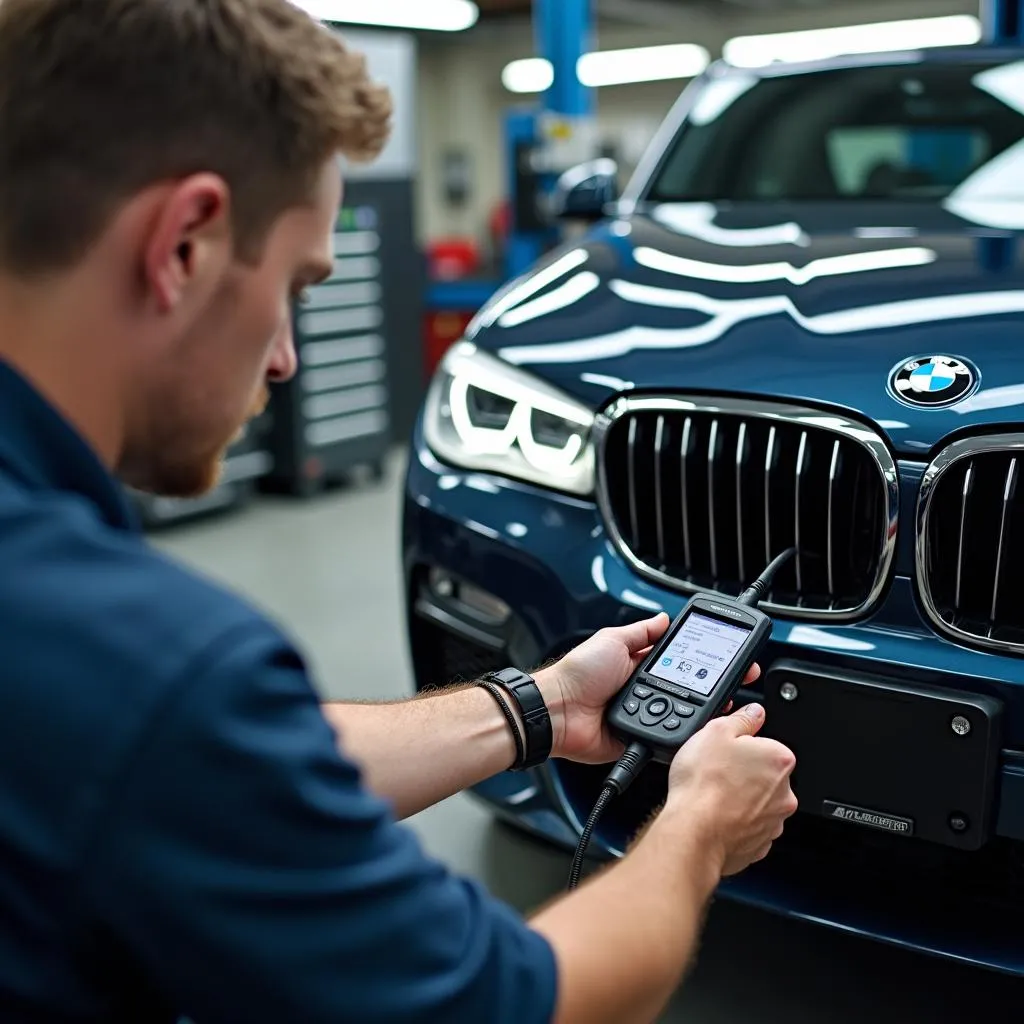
x,y
671,723
654,711
682,710
631,706
643,692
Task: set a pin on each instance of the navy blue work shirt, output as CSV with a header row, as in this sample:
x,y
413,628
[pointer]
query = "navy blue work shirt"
x,y
179,833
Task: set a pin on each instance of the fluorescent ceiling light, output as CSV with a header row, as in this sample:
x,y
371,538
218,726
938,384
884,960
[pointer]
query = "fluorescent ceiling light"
x,y
643,64
533,74
881,37
612,67
436,15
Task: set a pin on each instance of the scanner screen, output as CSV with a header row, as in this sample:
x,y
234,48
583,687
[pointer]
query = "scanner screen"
x,y
700,652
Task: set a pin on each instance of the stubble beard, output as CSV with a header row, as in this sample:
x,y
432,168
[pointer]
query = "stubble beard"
x,y
198,474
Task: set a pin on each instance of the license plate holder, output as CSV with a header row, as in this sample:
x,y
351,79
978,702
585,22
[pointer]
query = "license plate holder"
x,y
881,754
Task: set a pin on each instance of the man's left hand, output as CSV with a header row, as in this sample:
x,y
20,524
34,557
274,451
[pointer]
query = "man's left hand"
x,y
578,688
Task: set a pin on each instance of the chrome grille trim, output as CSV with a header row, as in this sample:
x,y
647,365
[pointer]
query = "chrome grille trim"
x,y
831,498
769,456
964,495
633,518
740,447
684,457
712,445
1011,478
772,414
658,496
796,507
968,448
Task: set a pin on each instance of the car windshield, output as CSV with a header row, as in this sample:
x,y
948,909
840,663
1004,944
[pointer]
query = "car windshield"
x,y
902,132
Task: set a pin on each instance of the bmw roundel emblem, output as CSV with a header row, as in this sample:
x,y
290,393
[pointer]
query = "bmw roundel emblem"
x,y
933,382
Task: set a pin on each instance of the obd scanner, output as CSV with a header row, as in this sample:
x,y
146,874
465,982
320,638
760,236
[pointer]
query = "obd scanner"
x,y
688,678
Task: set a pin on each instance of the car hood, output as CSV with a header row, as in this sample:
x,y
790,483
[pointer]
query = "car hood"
x,y
812,303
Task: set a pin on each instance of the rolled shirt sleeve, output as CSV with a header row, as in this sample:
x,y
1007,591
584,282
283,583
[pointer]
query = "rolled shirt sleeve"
x,y
254,879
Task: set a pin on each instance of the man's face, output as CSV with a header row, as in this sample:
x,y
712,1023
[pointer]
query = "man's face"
x,y
214,377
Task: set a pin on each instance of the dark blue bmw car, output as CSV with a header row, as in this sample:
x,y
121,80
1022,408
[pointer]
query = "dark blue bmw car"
x,y
801,325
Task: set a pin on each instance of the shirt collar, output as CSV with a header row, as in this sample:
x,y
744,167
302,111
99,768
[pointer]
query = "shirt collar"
x,y
39,447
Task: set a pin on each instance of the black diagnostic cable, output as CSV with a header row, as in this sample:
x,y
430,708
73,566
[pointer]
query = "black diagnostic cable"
x,y
751,597
626,769
636,757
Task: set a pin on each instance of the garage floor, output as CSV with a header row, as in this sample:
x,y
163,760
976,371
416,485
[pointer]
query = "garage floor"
x,y
329,570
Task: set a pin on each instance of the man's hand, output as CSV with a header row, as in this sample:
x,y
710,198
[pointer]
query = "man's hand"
x,y
578,688
736,785
622,944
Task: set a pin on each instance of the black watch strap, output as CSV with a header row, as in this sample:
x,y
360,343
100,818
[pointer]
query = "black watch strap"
x,y
534,714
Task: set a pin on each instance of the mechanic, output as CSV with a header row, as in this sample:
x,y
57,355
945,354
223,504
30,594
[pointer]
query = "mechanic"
x,y
185,829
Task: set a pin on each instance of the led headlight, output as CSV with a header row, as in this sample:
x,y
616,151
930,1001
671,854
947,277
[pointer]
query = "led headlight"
x,y
483,414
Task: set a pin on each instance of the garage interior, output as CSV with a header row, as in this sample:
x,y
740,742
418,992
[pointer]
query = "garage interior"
x,y
307,523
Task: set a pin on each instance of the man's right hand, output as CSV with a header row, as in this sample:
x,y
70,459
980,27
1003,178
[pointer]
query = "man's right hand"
x,y
734,786
622,941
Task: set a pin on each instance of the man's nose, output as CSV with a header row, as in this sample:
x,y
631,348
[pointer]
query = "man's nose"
x,y
283,360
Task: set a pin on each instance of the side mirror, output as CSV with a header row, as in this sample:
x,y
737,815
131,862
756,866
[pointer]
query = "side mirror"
x,y
584,191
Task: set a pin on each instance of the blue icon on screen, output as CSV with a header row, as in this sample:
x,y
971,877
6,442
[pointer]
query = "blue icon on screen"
x,y
666,662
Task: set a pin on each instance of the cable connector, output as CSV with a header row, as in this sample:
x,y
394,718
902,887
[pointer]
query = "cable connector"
x,y
627,768
751,597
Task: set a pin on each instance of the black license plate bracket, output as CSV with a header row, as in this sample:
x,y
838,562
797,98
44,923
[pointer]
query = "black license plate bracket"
x,y
883,754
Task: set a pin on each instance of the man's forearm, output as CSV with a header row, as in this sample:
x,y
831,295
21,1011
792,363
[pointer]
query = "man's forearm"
x,y
624,939
418,752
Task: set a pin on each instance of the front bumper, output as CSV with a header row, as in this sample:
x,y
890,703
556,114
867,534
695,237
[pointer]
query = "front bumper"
x,y
543,575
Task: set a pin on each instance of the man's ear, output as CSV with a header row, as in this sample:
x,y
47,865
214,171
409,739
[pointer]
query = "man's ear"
x,y
189,243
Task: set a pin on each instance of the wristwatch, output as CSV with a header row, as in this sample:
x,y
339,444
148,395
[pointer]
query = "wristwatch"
x,y
533,711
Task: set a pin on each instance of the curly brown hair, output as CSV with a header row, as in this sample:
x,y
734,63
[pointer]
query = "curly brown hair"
x,y
101,98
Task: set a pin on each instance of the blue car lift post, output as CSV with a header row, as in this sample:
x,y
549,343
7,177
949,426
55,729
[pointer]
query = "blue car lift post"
x,y
563,31
1002,22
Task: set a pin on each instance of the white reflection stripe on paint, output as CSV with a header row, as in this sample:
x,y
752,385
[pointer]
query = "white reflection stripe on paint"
x,y
725,314
520,291
575,289
752,273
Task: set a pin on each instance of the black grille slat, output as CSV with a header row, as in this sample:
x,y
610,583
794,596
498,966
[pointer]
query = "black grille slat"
x,y
974,546
728,492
